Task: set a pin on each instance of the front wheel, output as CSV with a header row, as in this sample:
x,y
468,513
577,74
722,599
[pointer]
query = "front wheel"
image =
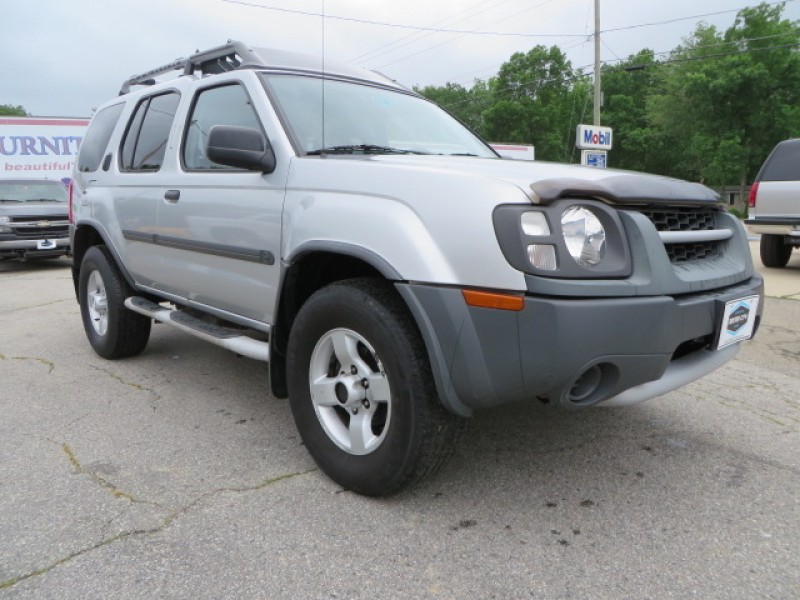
x,y
113,330
361,390
774,251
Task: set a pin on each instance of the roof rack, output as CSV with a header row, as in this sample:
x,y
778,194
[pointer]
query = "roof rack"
x,y
209,62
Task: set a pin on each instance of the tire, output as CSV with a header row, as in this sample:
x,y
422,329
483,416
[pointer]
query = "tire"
x,y
774,251
374,423
113,330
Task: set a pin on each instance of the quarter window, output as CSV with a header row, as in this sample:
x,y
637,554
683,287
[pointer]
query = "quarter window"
x,y
226,105
96,140
784,164
145,142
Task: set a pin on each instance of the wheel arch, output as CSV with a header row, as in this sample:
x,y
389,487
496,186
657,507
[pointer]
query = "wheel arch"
x,y
84,237
307,269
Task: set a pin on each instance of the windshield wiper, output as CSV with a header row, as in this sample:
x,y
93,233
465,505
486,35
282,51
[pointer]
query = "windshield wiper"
x,y
362,149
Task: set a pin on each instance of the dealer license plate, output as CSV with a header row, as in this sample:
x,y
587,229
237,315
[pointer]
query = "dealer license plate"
x,y
738,320
45,244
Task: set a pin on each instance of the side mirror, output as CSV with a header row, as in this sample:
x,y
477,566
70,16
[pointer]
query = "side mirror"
x,y
240,147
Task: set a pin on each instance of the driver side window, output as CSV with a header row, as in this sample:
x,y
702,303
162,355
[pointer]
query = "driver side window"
x,y
224,105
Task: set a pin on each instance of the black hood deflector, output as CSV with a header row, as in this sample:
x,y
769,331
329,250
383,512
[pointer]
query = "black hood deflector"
x,y
625,189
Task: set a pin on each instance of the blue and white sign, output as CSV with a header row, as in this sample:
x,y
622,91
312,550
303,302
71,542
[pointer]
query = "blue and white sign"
x,y
593,137
594,158
738,320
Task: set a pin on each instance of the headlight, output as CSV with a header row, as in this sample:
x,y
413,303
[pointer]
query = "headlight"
x,y
4,221
572,238
584,236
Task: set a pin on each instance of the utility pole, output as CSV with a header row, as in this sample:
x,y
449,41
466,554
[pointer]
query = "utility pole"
x,y
597,92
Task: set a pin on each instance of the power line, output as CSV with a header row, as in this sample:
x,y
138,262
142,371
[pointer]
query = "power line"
x,y
402,58
400,25
581,75
669,21
704,46
486,33
660,53
420,35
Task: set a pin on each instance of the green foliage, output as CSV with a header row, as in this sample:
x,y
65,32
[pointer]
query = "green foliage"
x,y
466,105
726,99
739,213
7,110
710,111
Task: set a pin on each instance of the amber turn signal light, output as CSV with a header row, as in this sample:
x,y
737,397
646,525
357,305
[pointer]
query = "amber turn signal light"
x,y
493,300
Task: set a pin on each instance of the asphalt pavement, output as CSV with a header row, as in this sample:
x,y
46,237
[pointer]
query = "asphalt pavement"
x,y
175,475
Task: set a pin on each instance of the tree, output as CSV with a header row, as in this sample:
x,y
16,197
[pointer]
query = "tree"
x,y
537,96
466,105
626,86
8,110
726,99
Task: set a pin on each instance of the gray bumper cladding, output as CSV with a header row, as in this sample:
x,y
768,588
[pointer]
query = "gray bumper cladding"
x,y
572,352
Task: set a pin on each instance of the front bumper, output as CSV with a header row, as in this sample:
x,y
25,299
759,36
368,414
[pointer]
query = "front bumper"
x,y
32,248
647,346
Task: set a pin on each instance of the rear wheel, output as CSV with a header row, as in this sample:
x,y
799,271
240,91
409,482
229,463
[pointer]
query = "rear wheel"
x,y
774,251
361,390
113,330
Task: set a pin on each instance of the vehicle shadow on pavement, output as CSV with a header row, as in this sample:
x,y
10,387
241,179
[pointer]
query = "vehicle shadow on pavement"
x,y
34,266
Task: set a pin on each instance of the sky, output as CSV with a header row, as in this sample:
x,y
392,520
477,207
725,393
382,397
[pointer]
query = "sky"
x,y
66,57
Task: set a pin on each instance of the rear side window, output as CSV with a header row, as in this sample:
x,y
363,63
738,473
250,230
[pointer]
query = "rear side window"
x,y
96,139
146,139
226,105
783,164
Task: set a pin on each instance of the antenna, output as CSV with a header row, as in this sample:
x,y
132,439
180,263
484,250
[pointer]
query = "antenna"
x,y
322,154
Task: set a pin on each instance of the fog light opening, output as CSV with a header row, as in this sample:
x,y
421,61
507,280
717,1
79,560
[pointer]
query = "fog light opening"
x,y
586,385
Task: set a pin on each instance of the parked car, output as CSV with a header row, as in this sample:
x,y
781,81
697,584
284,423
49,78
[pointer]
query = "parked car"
x,y
33,219
394,271
774,204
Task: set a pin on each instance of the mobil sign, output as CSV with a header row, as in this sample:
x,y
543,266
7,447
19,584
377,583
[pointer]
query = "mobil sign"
x,y
593,137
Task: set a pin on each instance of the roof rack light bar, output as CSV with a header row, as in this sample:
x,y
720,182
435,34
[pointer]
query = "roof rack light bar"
x,y
224,58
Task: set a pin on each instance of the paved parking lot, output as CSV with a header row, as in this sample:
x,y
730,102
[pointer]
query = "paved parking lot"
x,y
176,475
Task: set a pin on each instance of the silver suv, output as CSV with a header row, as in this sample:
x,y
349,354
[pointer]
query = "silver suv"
x,y
775,204
394,272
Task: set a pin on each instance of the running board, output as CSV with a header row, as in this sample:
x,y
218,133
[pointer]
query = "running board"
x,y
228,338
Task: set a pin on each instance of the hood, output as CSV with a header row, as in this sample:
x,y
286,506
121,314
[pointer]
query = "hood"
x,y
546,182
58,210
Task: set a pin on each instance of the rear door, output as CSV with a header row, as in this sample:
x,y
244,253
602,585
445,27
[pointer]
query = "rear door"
x,y
141,182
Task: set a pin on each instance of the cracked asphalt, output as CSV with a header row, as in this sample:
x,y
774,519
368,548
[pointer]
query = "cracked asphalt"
x,y
176,475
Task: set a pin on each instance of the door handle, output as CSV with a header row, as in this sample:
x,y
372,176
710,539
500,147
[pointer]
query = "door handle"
x,y
172,195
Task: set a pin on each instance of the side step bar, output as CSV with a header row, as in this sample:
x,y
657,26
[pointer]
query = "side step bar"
x,y
228,338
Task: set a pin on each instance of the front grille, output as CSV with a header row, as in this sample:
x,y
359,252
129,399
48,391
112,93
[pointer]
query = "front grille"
x,y
38,233
36,227
686,218
681,253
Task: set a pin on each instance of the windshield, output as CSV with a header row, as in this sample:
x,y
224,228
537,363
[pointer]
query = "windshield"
x,y
362,119
32,191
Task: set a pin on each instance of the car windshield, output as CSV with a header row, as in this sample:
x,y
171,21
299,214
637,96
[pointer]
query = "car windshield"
x,y
364,119
32,191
